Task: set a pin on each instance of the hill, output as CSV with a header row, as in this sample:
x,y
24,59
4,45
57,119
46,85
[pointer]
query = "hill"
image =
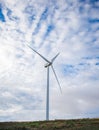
x,y
77,124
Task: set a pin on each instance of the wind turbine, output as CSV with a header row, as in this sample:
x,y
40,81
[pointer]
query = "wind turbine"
x,y
47,65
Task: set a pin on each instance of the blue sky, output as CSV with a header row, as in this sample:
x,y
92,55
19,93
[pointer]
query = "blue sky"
x,y
65,26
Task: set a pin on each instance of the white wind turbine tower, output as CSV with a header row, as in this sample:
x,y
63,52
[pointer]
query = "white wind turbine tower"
x,y
47,65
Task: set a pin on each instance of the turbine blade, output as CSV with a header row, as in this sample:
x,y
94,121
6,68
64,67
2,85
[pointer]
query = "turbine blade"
x,y
39,54
55,57
56,78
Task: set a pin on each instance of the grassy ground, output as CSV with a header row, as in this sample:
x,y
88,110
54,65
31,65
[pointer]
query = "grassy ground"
x,y
79,124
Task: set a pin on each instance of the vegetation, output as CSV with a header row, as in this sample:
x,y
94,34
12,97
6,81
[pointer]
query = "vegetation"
x,y
78,124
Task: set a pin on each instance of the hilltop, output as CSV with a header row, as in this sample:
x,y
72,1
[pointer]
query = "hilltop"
x,y
77,124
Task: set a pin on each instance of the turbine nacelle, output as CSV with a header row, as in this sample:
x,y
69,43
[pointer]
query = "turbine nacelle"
x,y
48,64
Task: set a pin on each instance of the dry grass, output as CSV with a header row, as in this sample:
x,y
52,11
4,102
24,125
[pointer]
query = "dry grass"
x,y
78,124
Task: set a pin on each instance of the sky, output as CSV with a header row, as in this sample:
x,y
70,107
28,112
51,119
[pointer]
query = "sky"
x,y
70,27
